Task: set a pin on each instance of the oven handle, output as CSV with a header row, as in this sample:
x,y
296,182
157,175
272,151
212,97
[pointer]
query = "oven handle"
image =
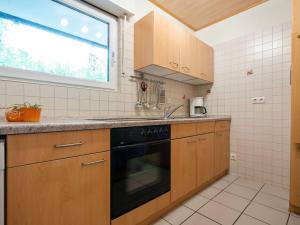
x,y
140,144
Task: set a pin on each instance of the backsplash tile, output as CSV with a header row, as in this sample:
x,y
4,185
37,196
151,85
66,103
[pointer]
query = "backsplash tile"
x,y
260,133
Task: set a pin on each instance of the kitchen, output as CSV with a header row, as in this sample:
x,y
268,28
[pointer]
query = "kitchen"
x,y
135,145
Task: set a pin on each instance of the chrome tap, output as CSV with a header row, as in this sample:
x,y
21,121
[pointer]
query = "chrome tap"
x,y
168,112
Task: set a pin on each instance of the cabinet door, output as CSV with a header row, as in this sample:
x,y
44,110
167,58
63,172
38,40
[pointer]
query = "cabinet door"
x,y
296,16
183,165
189,61
206,62
221,154
205,158
296,88
72,191
166,43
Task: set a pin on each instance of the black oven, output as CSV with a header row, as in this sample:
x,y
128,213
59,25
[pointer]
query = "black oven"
x,y
140,166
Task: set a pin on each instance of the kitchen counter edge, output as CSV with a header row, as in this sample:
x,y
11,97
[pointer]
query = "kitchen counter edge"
x,y
81,124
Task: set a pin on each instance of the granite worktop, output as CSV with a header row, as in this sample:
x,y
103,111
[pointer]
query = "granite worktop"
x,y
89,124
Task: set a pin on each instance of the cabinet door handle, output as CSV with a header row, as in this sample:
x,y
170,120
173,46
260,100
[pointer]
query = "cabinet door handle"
x,y
68,145
93,163
173,64
298,36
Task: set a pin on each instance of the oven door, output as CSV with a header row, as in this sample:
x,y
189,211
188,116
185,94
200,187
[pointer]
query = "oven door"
x,y
139,173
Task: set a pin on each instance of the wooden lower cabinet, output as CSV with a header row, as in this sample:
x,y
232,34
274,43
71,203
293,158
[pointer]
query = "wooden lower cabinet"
x,y
205,158
183,166
222,151
71,191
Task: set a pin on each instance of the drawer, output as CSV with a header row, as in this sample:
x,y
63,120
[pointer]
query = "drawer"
x,y
183,130
32,148
207,127
222,125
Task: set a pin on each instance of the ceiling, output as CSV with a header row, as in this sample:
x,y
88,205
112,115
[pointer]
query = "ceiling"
x,y
198,14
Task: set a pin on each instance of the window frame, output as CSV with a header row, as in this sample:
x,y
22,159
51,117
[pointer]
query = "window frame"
x,y
41,77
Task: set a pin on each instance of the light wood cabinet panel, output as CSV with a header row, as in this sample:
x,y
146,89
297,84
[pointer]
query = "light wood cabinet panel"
x,y
156,42
166,43
222,125
222,151
207,127
141,213
31,148
206,62
183,166
296,16
296,88
73,191
163,48
189,55
183,130
205,158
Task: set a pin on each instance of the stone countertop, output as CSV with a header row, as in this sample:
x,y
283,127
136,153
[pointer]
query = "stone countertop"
x,y
82,124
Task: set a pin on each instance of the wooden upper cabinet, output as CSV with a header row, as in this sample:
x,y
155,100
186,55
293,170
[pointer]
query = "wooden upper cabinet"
x,y
72,191
163,48
296,88
166,43
296,16
189,55
206,61
156,43
183,166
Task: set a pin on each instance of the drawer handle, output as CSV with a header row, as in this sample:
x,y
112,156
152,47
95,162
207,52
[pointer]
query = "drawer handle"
x,y
202,139
191,142
69,145
93,163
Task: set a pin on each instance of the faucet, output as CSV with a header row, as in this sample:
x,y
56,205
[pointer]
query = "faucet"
x,y
168,112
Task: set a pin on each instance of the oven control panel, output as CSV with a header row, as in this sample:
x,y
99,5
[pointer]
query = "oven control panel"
x,y
134,135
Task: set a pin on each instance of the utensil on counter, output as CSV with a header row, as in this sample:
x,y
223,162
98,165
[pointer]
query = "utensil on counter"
x,y
139,95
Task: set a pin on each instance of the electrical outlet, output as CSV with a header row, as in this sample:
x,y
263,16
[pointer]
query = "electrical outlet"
x,y
233,156
258,100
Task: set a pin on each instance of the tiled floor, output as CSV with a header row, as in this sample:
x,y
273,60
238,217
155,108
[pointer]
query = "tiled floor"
x,y
233,200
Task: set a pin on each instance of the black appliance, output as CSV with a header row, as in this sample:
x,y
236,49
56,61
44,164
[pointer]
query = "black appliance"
x,y
140,166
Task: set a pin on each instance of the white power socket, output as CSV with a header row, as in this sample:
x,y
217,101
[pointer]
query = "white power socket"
x,y
233,156
258,100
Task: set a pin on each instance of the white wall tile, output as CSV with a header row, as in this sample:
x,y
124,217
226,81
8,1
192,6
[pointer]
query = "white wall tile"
x,y
259,133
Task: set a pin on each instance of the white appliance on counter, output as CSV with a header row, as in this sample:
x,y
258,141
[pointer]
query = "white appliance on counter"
x,y
197,108
2,170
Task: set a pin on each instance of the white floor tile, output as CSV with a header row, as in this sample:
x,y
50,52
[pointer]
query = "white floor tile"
x,y
248,220
161,222
210,192
230,177
280,192
196,202
178,215
241,191
232,201
248,183
266,214
294,220
198,219
219,213
273,202
221,184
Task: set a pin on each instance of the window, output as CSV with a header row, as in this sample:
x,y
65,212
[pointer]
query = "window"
x,y
58,41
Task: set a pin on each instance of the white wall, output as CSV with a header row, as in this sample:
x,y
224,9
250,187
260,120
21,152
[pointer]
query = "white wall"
x,y
263,16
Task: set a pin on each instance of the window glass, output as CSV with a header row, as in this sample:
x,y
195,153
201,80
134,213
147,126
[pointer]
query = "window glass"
x,y
54,38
